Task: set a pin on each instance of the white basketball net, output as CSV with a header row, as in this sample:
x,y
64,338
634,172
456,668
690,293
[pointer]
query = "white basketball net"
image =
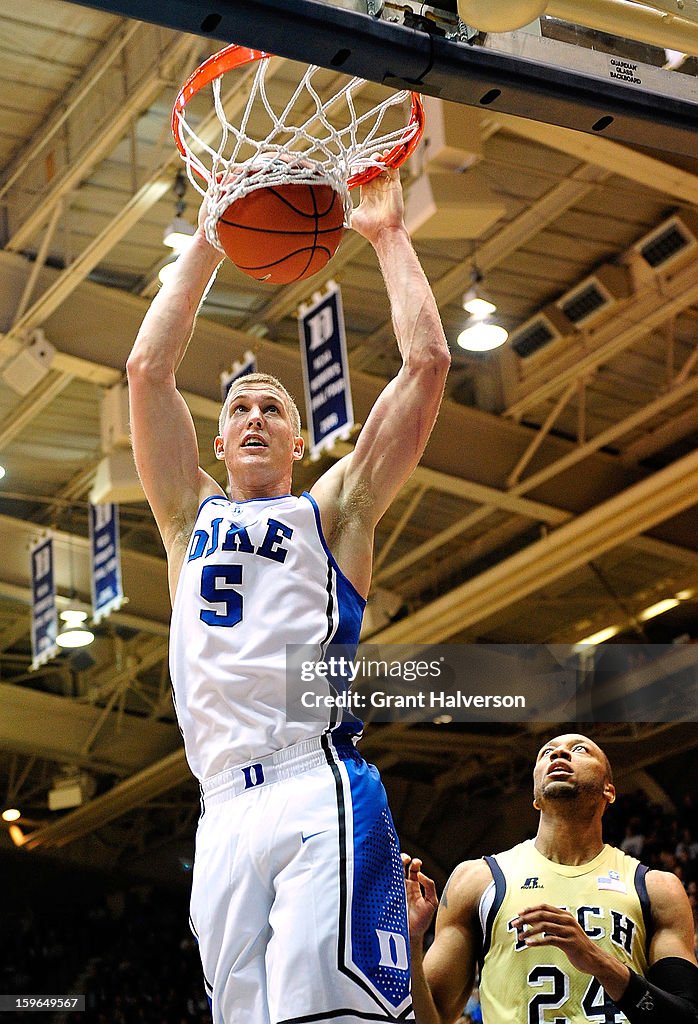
x,y
315,152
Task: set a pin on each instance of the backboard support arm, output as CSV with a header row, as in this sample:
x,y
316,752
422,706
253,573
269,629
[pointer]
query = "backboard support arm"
x,y
402,57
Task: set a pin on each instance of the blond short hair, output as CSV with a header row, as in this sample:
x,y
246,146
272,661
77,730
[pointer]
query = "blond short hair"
x,y
261,378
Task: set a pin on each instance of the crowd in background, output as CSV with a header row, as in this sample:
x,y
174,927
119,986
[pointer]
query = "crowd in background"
x,y
660,839
128,947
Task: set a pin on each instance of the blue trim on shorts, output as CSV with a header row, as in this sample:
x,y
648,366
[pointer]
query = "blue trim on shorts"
x,y
378,896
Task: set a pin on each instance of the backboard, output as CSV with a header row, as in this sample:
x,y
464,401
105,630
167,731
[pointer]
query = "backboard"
x,y
553,71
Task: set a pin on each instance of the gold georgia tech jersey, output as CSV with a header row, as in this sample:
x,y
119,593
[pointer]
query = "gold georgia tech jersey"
x,y
522,985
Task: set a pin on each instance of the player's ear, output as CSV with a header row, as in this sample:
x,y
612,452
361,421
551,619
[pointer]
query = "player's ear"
x,y
609,791
218,447
298,448
536,805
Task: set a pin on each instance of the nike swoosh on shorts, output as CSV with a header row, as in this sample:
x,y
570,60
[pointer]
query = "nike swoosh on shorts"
x,y
313,834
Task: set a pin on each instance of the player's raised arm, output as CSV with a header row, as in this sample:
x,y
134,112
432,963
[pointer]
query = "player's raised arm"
x,y
397,429
162,429
443,979
361,487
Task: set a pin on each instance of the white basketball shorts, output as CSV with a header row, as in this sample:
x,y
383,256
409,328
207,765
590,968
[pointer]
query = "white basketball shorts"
x,y
298,895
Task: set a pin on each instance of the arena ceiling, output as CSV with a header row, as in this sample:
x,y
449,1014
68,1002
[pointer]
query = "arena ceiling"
x,y
556,497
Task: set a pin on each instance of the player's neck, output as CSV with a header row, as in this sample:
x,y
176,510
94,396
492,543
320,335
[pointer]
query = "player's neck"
x,y
248,487
569,839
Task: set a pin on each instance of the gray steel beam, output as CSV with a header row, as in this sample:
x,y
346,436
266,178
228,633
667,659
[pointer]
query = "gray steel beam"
x,y
55,728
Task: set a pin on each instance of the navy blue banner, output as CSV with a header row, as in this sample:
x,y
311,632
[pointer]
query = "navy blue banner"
x,y
44,611
105,561
248,364
325,370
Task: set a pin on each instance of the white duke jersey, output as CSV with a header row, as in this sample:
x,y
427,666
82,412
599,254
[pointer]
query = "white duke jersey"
x,y
258,575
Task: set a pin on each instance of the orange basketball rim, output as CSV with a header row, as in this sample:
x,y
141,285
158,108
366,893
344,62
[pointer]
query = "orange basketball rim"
x,y
358,158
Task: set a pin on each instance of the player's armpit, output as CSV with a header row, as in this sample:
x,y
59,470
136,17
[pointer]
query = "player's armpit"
x,y
668,993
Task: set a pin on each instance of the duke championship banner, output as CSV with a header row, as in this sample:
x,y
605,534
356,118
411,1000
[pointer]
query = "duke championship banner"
x,y
44,611
248,364
325,369
105,561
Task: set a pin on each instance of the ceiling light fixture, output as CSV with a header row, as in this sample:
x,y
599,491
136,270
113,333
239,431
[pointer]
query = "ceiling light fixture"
x,y
596,638
16,835
658,609
2,472
11,814
474,302
179,233
480,335
75,632
478,307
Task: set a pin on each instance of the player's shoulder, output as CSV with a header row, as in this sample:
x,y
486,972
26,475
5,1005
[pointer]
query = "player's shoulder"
x,y
672,917
466,884
344,501
664,890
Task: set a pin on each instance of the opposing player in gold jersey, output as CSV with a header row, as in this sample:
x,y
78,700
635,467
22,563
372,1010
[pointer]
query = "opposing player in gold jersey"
x,y
565,929
608,898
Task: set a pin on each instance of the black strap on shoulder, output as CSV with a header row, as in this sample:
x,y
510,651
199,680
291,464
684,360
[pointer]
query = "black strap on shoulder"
x,y
641,889
500,888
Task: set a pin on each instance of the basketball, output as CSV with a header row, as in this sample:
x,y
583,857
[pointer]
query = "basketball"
x,y
283,233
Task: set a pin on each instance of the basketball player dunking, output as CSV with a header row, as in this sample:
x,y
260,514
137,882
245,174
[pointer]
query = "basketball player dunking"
x,y
298,898
564,928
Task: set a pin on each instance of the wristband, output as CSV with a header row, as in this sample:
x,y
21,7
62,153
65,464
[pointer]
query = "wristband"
x,y
676,1001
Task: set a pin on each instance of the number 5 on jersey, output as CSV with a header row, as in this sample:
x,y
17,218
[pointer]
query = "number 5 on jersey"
x,y
217,588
